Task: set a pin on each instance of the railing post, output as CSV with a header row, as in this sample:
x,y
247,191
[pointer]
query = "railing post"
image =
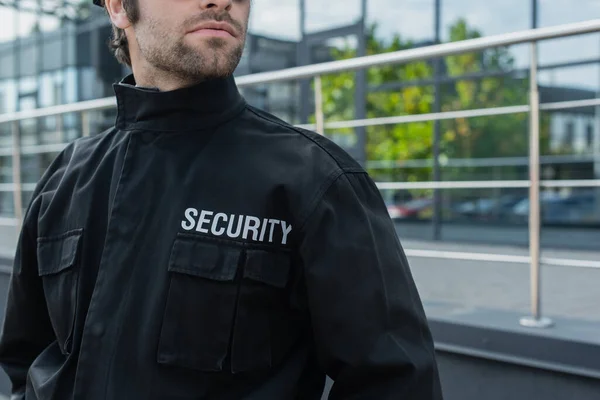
x,y
319,116
60,128
16,170
85,123
535,320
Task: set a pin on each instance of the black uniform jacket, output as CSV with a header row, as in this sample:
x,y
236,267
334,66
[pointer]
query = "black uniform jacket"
x,y
204,249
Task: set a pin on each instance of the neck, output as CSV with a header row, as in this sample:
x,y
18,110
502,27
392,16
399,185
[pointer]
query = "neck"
x,y
148,76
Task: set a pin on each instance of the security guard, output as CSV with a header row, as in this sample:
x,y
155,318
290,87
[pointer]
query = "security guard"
x,y
204,249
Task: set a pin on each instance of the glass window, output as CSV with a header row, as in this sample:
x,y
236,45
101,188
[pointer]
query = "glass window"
x,y
569,133
572,49
85,50
6,175
28,85
488,17
279,18
52,53
90,86
29,127
8,28
70,45
8,96
7,209
46,90
7,62
28,60
323,15
49,23
412,20
27,23
69,82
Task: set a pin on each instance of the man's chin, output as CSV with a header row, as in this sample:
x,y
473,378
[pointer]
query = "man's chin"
x,y
208,72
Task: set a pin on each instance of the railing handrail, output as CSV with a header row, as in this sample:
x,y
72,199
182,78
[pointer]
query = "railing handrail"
x,y
308,71
422,53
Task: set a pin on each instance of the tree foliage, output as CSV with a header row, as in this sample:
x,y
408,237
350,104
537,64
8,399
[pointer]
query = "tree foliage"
x,y
498,136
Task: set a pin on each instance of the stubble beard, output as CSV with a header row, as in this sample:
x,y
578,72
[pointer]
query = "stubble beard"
x,y
180,60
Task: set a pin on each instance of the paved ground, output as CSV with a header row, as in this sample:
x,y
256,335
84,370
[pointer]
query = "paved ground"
x,y
566,291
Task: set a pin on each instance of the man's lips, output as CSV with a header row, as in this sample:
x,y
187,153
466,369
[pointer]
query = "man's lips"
x,y
220,29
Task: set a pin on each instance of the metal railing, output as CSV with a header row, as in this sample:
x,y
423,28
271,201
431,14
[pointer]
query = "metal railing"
x,y
316,71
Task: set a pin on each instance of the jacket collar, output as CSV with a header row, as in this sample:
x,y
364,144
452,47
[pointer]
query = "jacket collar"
x,y
197,107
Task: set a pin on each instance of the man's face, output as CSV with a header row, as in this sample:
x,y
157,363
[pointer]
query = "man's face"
x,y
192,39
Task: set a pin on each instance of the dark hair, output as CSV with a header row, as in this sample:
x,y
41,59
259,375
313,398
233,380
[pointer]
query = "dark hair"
x,y
118,43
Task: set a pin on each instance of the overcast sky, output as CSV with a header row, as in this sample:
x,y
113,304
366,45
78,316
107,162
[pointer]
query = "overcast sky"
x,y
413,19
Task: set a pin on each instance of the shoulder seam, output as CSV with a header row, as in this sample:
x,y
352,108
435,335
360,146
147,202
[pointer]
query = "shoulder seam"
x,y
293,128
329,181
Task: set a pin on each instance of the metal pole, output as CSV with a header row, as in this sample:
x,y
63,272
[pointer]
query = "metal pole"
x,y
60,129
85,123
437,172
535,320
360,88
16,170
319,117
303,58
596,150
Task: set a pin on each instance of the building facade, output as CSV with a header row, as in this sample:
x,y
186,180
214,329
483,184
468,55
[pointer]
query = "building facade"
x,y
57,53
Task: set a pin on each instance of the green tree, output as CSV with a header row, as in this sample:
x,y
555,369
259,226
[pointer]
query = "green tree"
x,y
503,135
387,142
500,136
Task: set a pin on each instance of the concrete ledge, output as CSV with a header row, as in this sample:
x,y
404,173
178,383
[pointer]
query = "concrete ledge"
x,y
486,354
570,346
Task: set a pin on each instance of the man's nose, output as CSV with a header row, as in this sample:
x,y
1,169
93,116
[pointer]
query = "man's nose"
x,y
217,4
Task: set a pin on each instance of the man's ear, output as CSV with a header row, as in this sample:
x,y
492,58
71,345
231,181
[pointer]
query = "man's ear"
x,y
117,13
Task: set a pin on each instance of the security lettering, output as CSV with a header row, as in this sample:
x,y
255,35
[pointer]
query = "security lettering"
x,y
235,226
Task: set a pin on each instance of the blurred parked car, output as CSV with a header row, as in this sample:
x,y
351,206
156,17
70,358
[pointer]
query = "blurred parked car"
x,y
413,209
562,209
487,209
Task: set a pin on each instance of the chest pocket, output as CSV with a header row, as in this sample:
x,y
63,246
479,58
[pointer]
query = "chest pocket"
x,y
58,266
226,308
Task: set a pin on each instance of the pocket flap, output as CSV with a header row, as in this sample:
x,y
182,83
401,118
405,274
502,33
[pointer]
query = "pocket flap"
x,y
57,253
195,257
267,267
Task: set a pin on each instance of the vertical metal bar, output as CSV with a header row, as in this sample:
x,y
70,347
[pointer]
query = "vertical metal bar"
x,y
303,56
319,116
60,129
437,170
361,88
85,123
535,320
16,170
534,187
596,150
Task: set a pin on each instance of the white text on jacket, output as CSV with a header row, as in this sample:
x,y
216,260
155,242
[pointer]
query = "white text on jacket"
x,y
234,226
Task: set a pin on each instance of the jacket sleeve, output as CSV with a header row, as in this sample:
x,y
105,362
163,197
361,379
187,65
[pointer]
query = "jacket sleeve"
x,y
369,325
27,329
